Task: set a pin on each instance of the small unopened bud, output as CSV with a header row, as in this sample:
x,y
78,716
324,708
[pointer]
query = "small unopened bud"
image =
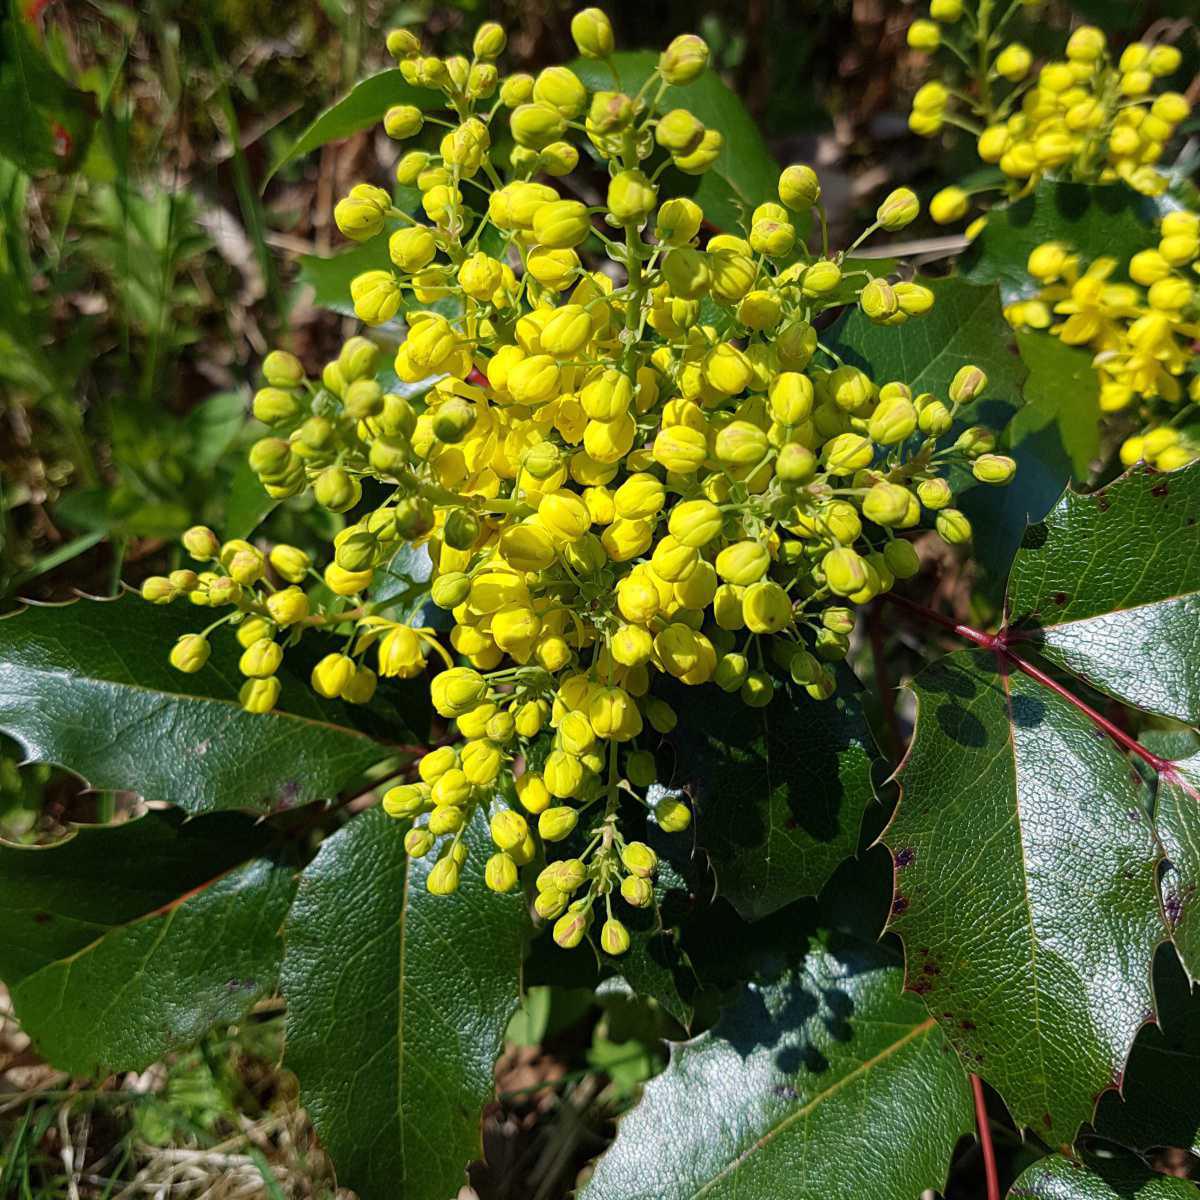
x,y
899,208
684,59
967,383
592,33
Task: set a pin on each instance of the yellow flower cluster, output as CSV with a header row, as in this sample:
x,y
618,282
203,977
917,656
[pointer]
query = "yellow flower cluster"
x,y
1143,333
1084,118
648,472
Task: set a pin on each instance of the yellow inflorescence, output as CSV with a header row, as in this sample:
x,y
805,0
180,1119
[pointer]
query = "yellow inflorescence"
x,y
1143,333
651,473
1087,117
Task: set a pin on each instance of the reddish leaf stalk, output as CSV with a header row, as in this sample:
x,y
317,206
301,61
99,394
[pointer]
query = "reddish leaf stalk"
x,y
985,1140
999,644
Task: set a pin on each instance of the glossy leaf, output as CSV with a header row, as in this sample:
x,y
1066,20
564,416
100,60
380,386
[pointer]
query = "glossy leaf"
x,y
1112,220
1159,1103
826,1081
745,173
1177,820
1109,586
125,942
397,1005
1111,1177
1063,393
1025,889
88,686
779,792
362,107
330,276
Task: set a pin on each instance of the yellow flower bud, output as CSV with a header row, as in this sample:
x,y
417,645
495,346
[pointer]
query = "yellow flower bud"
x,y
614,937
672,814
489,41
536,125
403,121
678,221
695,523
259,695
592,33
190,653
993,468
766,607
953,526
968,383
900,207
561,224
631,197
360,215
799,187
743,562
1013,62
886,504
949,205
924,35
443,879
376,296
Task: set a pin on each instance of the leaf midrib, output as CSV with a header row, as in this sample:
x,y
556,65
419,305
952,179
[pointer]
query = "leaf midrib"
x,y
819,1099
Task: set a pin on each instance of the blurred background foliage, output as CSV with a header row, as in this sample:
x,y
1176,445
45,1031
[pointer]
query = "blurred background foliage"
x,y
146,266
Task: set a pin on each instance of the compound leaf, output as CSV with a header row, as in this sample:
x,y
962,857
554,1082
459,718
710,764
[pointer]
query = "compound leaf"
x,y
88,686
1109,587
397,1005
1025,889
775,1099
124,942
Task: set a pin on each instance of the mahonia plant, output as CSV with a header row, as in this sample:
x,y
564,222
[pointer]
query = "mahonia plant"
x,y
1143,333
626,474
1084,118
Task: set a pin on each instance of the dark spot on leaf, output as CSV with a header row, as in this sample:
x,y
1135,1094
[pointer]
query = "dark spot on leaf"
x,y
920,986
42,918
966,1026
929,967
791,823
1103,502
906,857
1060,597
1047,1120
1159,489
289,792
1173,908
785,1093
1035,537
1134,814
899,904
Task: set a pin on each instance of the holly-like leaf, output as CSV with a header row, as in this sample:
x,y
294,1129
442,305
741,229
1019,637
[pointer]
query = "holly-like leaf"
x,y
1109,587
1113,220
125,942
362,107
397,1005
1097,1177
744,175
779,792
330,276
1159,1103
1063,393
1177,820
88,686
1025,889
774,1100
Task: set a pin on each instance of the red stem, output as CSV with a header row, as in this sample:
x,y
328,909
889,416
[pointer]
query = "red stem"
x,y
985,1140
998,643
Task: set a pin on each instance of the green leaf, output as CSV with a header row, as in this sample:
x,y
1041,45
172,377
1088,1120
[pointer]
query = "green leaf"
x,y
1109,1177
247,504
779,792
745,173
965,326
1177,820
776,1098
1063,391
1025,889
125,942
88,686
1159,1103
1112,220
361,108
1109,588
397,1005
211,427
330,277
47,123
